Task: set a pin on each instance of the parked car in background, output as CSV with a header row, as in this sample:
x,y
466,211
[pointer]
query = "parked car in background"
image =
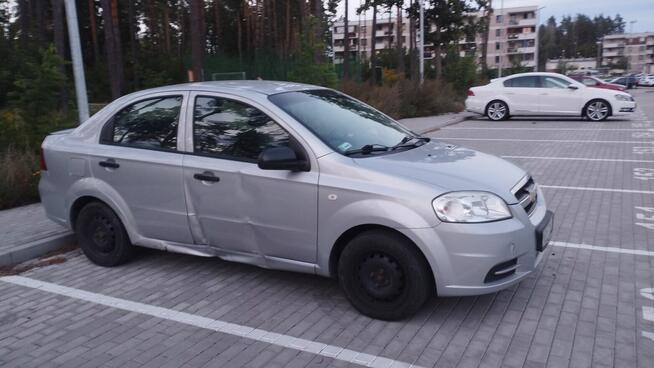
x,y
597,83
628,81
295,177
646,81
546,94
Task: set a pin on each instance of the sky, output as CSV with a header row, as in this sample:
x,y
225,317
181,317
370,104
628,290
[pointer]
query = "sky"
x,y
641,11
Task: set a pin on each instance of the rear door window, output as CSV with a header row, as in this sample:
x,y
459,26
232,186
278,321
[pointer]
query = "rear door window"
x,y
150,124
523,82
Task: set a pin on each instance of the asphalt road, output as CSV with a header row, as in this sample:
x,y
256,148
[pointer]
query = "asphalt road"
x,y
591,303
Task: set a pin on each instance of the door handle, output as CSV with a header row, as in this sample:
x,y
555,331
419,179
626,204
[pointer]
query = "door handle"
x,y
110,163
206,176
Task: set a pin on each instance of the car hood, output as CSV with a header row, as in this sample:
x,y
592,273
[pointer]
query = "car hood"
x,y
450,168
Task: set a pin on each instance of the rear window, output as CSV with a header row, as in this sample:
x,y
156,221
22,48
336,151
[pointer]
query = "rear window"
x,y
523,82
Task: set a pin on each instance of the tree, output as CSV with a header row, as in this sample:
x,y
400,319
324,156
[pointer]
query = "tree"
x,y
113,46
197,39
367,4
448,17
487,9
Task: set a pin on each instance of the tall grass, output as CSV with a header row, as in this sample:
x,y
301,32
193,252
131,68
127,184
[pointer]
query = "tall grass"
x,y
19,177
407,98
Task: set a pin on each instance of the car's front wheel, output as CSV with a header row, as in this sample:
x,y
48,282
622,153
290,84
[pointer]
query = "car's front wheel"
x,y
102,236
497,110
384,276
597,110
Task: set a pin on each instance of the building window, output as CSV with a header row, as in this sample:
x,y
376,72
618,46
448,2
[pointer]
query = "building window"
x,y
498,32
499,18
336,29
497,45
497,59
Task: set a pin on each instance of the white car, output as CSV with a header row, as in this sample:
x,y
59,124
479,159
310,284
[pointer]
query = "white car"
x,y
646,80
546,94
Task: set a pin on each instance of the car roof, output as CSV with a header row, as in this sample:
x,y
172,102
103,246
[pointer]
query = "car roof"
x,y
256,86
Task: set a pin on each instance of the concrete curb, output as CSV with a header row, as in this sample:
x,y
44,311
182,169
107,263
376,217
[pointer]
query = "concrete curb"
x,y
458,119
35,249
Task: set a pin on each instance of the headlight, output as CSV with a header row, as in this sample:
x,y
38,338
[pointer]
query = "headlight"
x,y
623,98
470,207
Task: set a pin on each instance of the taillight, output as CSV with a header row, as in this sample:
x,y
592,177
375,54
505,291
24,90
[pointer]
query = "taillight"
x,y
470,93
44,167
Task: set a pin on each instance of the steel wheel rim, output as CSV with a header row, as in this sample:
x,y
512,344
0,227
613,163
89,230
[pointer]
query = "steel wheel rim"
x,y
496,111
102,233
381,277
597,110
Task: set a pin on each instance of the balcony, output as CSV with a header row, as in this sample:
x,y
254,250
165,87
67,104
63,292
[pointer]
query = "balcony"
x,y
527,50
612,45
522,36
522,22
613,53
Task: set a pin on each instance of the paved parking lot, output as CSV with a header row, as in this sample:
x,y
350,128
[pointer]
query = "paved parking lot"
x,y
591,303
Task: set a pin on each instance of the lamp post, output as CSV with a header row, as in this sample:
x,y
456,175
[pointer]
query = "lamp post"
x,y
421,45
78,63
501,59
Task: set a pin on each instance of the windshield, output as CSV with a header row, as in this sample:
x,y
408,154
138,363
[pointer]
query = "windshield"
x,y
343,123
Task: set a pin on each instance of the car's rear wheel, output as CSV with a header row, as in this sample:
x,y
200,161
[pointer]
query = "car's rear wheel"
x,y
384,276
497,110
102,236
597,110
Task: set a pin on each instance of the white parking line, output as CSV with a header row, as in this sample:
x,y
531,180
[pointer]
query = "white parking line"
x,y
637,252
578,159
557,129
648,313
540,140
330,351
591,189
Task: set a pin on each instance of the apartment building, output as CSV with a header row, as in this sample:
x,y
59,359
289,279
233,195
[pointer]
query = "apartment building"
x,y
512,39
637,48
361,36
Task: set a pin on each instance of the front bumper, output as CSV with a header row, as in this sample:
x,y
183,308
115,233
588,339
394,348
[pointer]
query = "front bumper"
x,y
463,256
623,107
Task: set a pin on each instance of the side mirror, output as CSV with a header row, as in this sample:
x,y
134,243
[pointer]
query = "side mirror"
x,y
573,87
281,158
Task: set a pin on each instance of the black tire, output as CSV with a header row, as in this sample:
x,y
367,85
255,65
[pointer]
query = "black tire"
x,y
497,110
597,110
384,276
102,236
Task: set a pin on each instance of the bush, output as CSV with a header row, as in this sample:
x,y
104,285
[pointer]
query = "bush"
x,y
406,98
19,177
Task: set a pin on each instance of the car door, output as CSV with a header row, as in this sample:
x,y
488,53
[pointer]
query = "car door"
x,y
138,157
234,205
557,99
522,94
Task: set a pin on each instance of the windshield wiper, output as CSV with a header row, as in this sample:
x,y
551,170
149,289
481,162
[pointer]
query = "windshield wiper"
x,y
367,149
405,141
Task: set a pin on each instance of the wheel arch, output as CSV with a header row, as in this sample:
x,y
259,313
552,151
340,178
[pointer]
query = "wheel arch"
x,y
352,232
608,103
502,100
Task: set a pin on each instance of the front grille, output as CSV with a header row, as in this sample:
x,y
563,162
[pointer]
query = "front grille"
x,y
526,194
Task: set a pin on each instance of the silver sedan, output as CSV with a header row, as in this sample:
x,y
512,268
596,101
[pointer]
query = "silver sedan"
x,y
295,177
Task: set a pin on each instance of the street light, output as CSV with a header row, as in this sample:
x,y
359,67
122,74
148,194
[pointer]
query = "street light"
x,y
78,64
421,46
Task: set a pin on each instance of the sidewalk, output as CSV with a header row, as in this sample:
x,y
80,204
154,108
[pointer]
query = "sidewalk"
x,y
428,124
26,233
